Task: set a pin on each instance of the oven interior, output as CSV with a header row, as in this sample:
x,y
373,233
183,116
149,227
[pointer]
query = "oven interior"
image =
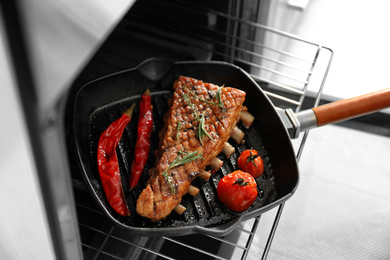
x,y
176,30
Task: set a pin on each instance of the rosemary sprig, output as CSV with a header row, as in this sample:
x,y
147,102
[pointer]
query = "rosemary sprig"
x,y
218,94
201,133
196,116
180,161
182,152
202,130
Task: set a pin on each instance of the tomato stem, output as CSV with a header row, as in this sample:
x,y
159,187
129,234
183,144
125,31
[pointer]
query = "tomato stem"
x,y
241,182
251,158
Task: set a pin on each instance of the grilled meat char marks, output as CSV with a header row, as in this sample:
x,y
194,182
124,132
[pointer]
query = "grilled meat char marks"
x,y
192,100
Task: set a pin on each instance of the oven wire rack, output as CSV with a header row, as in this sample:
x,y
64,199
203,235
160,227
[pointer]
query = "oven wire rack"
x,y
291,70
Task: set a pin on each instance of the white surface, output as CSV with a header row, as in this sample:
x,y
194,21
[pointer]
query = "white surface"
x,y
341,209
356,30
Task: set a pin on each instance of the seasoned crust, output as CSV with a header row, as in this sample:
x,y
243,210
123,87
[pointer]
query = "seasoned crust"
x,y
191,100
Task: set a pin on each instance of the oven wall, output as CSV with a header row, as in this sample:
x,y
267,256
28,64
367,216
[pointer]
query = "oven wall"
x,y
24,233
47,43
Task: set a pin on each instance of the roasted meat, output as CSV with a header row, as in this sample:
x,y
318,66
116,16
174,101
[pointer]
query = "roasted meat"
x,y
198,123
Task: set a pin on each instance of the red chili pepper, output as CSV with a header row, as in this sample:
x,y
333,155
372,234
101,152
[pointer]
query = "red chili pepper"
x,y
108,163
142,146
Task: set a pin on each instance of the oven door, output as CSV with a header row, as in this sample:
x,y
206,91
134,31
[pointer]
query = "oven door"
x,y
47,42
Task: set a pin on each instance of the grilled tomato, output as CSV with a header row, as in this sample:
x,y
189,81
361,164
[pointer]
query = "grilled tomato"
x,y
250,161
237,190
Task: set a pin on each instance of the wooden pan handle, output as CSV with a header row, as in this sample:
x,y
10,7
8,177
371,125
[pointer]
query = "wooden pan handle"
x,y
353,107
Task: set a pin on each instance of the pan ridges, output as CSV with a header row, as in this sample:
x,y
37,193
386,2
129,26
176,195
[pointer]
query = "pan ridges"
x,y
199,119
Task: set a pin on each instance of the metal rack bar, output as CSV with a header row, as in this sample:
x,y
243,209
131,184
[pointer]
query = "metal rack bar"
x,y
309,65
194,248
108,235
251,237
273,231
233,58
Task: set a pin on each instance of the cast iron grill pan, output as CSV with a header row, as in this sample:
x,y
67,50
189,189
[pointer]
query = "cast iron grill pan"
x,y
101,101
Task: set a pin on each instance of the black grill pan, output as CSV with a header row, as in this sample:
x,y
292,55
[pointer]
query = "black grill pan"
x,y
101,101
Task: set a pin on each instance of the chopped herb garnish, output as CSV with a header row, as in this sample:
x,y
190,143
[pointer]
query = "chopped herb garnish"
x,y
202,130
178,130
219,102
191,105
188,100
169,181
206,100
177,162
